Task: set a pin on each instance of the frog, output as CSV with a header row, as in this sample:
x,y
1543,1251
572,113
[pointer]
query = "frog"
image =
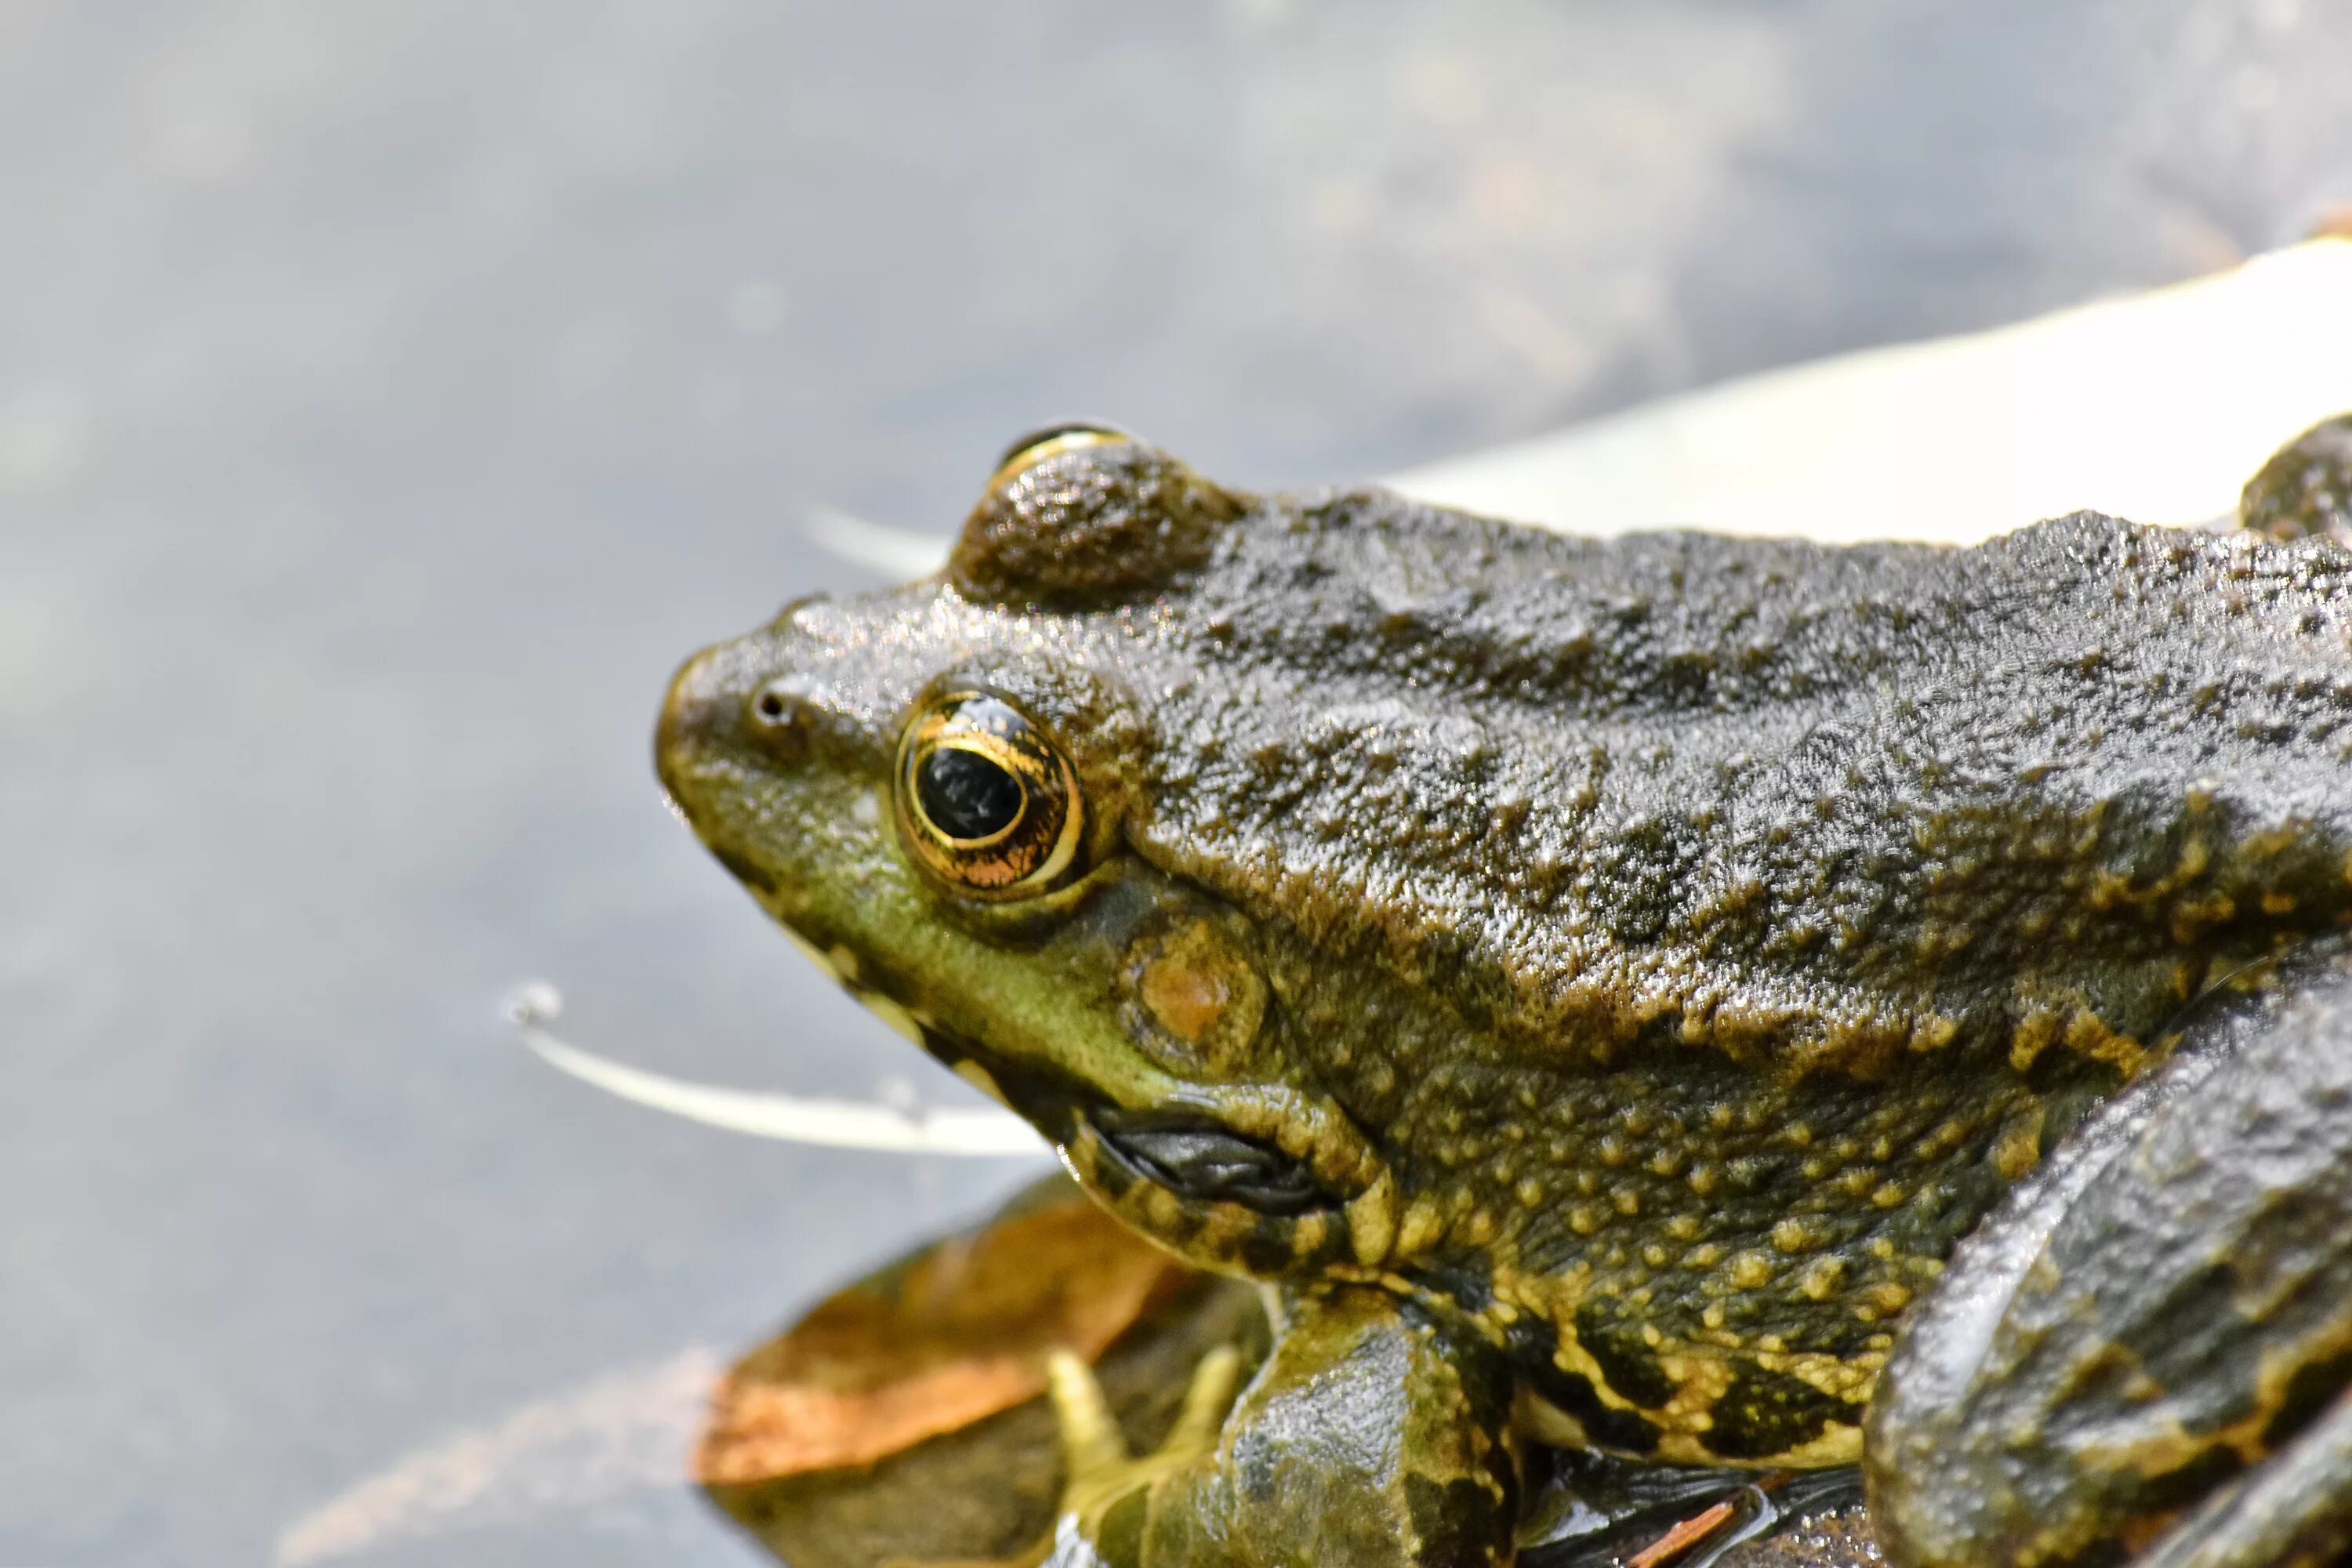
x,y
1692,1000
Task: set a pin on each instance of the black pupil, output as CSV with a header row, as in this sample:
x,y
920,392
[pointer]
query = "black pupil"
x,y
965,795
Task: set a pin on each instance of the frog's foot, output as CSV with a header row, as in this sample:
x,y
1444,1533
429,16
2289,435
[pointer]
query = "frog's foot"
x,y
1369,1437
1101,1473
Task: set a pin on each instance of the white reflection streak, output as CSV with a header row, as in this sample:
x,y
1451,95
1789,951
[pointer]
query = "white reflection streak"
x,y
896,554
625,1433
980,1133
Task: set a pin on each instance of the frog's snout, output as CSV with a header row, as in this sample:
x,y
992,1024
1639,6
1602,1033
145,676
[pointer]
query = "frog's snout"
x,y
728,699
698,713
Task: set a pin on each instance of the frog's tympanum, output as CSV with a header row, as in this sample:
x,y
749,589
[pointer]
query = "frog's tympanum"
x,y
1605,988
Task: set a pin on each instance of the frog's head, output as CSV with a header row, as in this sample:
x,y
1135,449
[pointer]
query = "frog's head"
x,y
936,787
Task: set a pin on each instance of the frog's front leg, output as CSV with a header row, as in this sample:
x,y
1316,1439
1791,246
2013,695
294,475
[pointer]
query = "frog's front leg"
x,y
2146,1354
1372,1437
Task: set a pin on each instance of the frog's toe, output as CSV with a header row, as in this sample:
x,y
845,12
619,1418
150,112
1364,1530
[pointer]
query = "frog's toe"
x,y
1101,1472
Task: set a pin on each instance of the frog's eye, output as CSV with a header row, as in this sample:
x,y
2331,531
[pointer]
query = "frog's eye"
x,y
985,802
1052,441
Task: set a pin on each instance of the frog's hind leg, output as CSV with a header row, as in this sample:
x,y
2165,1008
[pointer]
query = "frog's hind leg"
x,y
2294,1511
2165,1312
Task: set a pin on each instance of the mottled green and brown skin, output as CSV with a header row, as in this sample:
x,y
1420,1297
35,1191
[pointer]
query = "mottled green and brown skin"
x,y
1598,982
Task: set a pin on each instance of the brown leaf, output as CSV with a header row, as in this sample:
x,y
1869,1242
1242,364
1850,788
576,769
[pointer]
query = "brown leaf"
x,y
948,1337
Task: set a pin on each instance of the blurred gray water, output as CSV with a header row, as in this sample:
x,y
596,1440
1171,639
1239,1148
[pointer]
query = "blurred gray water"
x,y
391,392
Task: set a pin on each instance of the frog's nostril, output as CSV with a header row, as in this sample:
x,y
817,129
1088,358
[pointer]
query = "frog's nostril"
x,y
779,720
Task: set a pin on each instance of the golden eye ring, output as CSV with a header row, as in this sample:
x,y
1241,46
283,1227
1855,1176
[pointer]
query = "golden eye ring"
x,y
985,802
1052,441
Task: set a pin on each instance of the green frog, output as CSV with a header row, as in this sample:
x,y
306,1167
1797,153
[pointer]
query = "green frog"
x,y
1707,1002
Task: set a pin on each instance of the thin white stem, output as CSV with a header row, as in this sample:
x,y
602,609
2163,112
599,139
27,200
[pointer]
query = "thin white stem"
x,y
981,1132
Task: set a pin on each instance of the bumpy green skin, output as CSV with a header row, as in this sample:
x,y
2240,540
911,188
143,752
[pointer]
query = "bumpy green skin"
x,y
1652,954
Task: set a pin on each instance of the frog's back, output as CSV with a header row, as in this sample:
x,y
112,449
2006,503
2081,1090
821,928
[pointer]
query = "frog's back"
x,y
1808,804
